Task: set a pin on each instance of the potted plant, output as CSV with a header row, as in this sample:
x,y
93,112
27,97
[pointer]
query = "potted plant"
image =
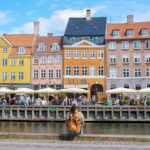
x,y
104,100
148,101
126,102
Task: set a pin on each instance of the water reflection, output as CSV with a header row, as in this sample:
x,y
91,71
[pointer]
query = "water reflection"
x,y
89,128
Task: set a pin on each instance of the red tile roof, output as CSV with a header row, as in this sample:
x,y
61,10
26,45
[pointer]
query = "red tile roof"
x,y
14,51
123,27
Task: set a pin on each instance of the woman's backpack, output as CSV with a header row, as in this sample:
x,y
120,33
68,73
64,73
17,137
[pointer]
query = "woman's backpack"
x,y
74,124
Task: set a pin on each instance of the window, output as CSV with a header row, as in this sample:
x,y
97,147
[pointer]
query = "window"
x,y
84,54
58,59
58,73
68,53
144,32
4,62
76,54
96,39
100,54
58,86
12,76
136,44
113,86
43,73
126,86
76,70
43,86
50,59
137,58
92,71
35,59
147,58
20,76
112,45
148,85
137,72
137,86
125,59
13,61
51,74
113,73
147,72
92,54
125,45
4,75
129,32
68,70
126,73
112,59
73,40
36,74
55,47
43,59
147,44
100,70
115,33
41,47
4,49
21,62
84,70
21,50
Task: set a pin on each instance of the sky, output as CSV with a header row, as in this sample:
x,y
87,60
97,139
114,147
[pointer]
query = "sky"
x,y
17,16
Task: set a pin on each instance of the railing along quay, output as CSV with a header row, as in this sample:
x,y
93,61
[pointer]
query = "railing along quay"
x,y
91,113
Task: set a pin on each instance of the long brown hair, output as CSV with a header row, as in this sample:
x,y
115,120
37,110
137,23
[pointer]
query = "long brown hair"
x,y
73,109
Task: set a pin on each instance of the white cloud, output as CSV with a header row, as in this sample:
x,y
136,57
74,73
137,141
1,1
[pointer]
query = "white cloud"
x,y
56,23
144,16
4,17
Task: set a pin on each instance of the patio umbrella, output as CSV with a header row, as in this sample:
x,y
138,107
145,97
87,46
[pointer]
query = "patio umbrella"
x,y
73,90
4,90
121,90
46,90
146,90
24,90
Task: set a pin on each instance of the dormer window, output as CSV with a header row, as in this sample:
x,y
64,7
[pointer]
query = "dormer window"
x,y
129,32
73,40
115,33
144,32
21,50
55,47
41,47
96,39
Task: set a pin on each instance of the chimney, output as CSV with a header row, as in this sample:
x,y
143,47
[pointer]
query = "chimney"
x,y
36,28
130,19
49,34
88,14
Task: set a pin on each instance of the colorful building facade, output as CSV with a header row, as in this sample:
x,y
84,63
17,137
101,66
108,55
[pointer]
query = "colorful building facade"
x,y
84,54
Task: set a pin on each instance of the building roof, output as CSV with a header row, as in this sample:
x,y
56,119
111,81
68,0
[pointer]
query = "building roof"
x,y
14,51
123,27
20,39
48,41
83,27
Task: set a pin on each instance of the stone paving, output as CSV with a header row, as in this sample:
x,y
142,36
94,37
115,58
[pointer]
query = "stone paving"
x,y
72,145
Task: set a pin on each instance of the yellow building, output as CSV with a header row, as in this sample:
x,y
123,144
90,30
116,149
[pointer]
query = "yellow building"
x,y
84,67
15,62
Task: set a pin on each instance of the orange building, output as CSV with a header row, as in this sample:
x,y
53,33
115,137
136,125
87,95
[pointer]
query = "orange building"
x,y
84,55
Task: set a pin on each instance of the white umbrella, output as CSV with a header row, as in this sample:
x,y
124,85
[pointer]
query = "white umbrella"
x,y
4,90
73,90
24,90
121,90
46,90
146,90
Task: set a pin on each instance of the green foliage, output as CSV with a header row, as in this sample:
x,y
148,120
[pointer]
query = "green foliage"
x,y
126,101
148,101
104,99
61,95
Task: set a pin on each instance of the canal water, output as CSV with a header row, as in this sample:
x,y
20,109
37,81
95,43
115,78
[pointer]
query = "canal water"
x,y
89,128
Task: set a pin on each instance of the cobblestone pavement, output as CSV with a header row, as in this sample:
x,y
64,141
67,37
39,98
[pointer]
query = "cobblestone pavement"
x,y
71,145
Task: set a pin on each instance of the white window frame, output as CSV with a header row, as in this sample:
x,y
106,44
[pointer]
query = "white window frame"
x,y
76,70
21,62
92,54
84,54
58,59
147,44
12,75
20,75
144,32
55,47
50,73
13,61
112,59
5,49
21,50
100,70
43,74
125,72
129,31
68,70
58,73
137,46
113,72
100,54
112,45
138,72
51,59
35,74
68,54
35,59
4,61
147,58
84,70
125,45
147,72
137,58
115,33
125,59
76,54
4,75
92,71
41,47
43,60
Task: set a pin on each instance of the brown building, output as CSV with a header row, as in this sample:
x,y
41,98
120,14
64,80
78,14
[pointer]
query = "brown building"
x,y
128,54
